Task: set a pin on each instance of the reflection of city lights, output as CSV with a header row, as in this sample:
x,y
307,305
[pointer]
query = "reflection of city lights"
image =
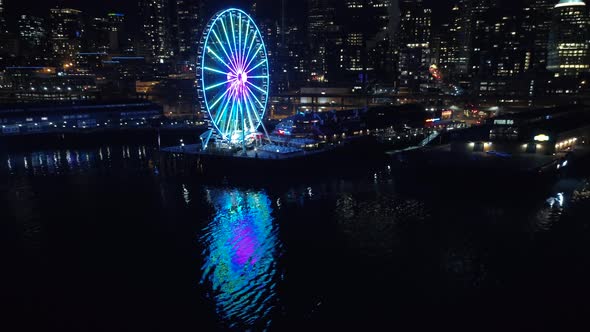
x,y
240,257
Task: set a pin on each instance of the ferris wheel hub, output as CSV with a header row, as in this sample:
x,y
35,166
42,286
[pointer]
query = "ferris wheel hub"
x,y
242,78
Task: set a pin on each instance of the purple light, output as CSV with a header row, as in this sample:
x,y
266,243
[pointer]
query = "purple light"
x,y
235,75
237,78
245,244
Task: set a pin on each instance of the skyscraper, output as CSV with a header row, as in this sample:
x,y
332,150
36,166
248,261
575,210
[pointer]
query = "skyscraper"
x,y
295,69
483,15
374,24
358,37
414,44
116,28
455,43
31,30
97,35
155,41
66,33
537,25
320,15
2,18
503,54
187,18
105,34
569,42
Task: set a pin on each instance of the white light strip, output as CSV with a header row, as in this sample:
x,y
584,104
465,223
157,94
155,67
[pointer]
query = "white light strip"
x,y
570,4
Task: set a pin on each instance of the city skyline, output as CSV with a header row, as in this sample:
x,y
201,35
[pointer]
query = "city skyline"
x,y
129,7
295,165
514,52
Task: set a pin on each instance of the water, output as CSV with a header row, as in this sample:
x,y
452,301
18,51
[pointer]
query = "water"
x,y
101,239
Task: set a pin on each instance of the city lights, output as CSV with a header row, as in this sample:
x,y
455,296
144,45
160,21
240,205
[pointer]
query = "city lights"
x,y
234,75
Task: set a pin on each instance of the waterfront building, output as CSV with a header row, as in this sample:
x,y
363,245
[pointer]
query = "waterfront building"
x,y
66,31
33,84
539,131
569,42
18,119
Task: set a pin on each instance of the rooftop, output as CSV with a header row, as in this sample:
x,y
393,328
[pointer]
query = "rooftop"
x,y
74,106
565,3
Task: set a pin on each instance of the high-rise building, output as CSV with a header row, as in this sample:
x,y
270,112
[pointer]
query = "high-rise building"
x,y
66,30
155,43
97,35
414,39
320,15
357,36
569,42
31,30
271,31
501,50
9,43
105,34
295,67
504,54
377,28
536,27
354,39
483,19
455,42
187,24
2,18
116,29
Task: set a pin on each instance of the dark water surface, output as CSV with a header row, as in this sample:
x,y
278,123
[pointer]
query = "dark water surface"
x,y
100,239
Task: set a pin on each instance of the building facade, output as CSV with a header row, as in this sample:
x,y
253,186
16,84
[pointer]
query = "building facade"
x,y
31,30
569,40
537,25
155,42
455,42
34,84
187,25
320,15
2,18
66,31
414,45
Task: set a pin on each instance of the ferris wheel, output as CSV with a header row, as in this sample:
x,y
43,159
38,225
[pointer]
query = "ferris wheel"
x,y
232,78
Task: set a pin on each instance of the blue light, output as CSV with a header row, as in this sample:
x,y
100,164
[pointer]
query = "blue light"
x,y
241,251
128,58
231,52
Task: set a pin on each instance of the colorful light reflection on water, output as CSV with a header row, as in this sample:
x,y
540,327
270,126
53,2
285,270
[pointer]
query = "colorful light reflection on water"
x,y
240,257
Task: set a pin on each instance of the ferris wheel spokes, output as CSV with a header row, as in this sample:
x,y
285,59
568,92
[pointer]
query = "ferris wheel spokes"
x,y
234,77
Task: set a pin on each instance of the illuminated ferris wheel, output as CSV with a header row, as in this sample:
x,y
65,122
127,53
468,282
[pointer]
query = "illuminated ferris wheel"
x,y
232,78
